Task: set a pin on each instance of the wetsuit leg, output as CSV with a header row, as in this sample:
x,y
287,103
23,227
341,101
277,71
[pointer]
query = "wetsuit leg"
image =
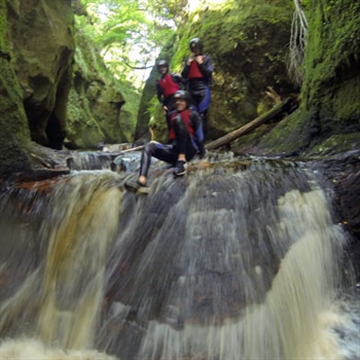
x,y
183,140
167,153
201,96
203,116
203,107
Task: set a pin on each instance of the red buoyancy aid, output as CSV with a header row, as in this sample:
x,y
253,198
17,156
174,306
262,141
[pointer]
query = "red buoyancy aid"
x,y
194,71
168,85
185,115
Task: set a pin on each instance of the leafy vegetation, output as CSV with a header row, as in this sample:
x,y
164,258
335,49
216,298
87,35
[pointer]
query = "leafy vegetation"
x,y
129,33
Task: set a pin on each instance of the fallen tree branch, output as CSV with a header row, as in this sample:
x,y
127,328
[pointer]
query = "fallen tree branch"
x,y
231,136
272,94
122,152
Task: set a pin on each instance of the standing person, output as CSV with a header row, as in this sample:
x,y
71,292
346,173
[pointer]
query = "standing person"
x,y
198,73
167,86
185,140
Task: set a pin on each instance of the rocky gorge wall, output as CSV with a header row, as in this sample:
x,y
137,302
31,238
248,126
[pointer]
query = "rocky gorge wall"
x,y
13,120
95,101
247,42
65,93
328,119
42,48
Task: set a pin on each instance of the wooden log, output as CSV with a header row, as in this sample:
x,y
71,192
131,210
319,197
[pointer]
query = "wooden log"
x,y
116,154
231,136
272,94
137,148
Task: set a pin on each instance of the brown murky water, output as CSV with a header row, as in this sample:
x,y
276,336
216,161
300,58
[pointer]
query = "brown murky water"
x,y
231,262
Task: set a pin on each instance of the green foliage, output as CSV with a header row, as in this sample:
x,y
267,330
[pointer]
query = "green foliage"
x,y
333,42
87,58
153,106
122,23
157,123
129,33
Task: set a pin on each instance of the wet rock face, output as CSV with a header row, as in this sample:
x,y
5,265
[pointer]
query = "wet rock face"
x,y
347,189
42,54
94,98
342,171
247,42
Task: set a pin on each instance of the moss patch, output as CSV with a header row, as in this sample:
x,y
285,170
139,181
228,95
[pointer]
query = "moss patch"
x,y
101,109
330,107
247,42
332,57
336,143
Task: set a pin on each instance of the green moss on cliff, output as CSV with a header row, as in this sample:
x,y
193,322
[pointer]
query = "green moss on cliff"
x,y
247,41
328,118
11,107
336,143
83,132
224,29
103,109
289,136
3,28
332,54
14,130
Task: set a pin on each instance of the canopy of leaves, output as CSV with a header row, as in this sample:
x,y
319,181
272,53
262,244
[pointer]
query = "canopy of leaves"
x,y
130,33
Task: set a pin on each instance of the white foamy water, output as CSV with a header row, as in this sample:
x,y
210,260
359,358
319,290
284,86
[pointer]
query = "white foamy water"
x,y
31,349
229,265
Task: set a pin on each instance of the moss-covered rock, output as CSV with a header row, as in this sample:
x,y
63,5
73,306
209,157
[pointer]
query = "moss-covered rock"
x,y
13,122
332,80
97,108
328,118
40,33
83,132
247,41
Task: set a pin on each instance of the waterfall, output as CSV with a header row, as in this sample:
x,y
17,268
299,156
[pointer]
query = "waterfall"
x,y
239,260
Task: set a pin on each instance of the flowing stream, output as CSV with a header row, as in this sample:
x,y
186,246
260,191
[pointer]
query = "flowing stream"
x,y
239,260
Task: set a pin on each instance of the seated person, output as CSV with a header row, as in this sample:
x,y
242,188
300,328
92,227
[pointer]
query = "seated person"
x,y
186,139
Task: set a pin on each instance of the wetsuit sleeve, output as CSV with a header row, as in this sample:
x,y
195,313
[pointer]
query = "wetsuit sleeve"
x,y
185,70
160,93
196,123
207,66
168,118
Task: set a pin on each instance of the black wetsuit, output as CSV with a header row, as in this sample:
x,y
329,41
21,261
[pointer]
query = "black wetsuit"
x,y
166,87
185,137
198,78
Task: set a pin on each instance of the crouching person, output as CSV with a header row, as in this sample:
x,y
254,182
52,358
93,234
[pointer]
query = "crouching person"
x,y
185,140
